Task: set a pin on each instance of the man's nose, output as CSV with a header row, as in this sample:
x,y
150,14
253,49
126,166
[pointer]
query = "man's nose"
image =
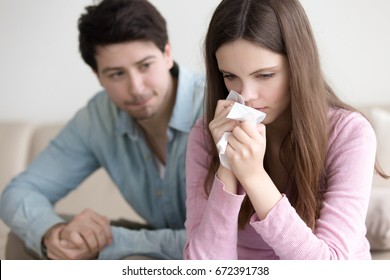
x,y
135,84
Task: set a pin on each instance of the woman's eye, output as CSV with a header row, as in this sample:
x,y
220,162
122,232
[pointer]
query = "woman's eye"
x,y
228,76
266,76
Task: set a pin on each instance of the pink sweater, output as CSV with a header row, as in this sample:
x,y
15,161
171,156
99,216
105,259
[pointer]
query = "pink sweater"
x,y
212,228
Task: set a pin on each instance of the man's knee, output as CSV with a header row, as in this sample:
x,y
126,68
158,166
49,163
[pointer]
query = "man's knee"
x,y
138,257
16,250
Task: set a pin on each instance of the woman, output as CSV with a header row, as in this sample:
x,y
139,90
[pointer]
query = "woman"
x,y
299,183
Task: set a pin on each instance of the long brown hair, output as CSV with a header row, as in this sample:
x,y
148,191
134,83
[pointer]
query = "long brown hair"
x,y
283,27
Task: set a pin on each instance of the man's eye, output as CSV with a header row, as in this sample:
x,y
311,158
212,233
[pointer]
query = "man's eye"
x,y
144,66
116,74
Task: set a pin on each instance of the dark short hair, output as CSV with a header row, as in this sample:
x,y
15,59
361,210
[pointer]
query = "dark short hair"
x,y
118,21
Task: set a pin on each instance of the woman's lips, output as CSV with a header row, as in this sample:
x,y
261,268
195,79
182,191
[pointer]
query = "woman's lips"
x,y
263,109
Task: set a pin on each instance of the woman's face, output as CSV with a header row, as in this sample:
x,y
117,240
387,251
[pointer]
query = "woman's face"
x,y
258,74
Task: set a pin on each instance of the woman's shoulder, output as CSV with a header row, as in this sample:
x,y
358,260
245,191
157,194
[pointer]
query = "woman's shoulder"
x,y
348,124
341,116
200,130
200,126
199,136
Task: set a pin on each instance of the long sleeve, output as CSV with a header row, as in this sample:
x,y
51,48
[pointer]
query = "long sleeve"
x,y
27,202
164,244
339,232
211,222
101,135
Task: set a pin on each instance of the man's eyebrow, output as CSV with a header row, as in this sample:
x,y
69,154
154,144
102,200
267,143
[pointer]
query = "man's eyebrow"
x,y
109,69
116,68
145,59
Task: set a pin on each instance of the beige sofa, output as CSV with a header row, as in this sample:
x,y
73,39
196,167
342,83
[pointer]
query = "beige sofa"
x,y
20,142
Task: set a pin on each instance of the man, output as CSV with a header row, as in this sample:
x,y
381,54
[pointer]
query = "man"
x,y
148,106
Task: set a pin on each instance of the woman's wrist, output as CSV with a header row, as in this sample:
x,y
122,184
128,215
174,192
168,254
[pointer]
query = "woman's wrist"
x,y
228,178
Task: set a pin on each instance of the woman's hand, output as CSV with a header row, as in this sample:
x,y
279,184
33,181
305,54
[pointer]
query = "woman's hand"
x,y
220,124
245,151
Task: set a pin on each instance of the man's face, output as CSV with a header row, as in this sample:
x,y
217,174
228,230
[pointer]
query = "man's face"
x,y
136,76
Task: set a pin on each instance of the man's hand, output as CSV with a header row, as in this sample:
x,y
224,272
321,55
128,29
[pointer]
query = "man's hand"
x,y
57,249
84,237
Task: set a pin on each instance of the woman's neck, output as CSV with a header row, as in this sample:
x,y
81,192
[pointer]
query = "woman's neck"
x,y
279,128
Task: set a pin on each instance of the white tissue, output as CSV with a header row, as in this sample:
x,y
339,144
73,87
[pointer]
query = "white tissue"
x,y
239,112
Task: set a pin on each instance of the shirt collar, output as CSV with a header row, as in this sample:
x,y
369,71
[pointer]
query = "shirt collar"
x,y
181,118
126,124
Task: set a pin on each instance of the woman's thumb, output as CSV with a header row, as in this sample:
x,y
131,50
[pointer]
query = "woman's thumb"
x,y
261,129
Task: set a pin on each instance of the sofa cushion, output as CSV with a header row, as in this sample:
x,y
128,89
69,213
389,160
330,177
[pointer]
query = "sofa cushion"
x,y
381,123
15,140
378,216
41,137
378,219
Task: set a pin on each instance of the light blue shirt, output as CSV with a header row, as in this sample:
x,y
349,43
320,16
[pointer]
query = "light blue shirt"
x,y
100,135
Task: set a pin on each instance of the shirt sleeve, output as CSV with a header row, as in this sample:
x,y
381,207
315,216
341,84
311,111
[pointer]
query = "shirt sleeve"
x,y
27,202
165,244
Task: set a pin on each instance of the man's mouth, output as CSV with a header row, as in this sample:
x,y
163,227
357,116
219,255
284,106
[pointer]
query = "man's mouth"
x,y
138,101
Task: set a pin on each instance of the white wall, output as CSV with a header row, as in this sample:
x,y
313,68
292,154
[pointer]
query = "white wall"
x,y
42,76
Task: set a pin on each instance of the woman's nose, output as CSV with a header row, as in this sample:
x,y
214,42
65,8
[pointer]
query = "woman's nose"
x,y
248,93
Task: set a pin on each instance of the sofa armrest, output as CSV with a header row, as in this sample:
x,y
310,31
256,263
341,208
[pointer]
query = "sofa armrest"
x,y
15,140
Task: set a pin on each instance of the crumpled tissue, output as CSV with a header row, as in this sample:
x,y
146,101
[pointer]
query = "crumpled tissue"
x,y
239,112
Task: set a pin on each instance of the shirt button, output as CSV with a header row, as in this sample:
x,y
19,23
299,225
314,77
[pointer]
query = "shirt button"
x,y
158,193
146,157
